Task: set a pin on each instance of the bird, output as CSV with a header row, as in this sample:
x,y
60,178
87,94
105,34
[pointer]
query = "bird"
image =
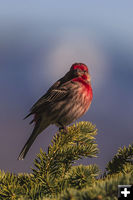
x,y
64,102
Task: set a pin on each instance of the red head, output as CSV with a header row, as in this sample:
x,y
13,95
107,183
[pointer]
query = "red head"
x,y
80,70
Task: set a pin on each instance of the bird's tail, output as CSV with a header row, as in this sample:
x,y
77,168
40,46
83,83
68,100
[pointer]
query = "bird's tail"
x,y
30,141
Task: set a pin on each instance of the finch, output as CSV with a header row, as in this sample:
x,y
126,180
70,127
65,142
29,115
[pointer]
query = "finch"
x,y
65,101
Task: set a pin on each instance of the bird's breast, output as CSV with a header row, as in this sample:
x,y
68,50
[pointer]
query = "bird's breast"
x,y
85,89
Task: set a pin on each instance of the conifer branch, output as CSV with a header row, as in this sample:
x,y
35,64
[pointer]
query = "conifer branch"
x,y
123,156
55,178
66,148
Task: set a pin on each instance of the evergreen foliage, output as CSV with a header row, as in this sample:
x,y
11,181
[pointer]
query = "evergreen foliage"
x,y
54,177
118,162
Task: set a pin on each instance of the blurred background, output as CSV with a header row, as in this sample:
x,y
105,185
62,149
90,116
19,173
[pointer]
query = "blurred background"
x,y
39,41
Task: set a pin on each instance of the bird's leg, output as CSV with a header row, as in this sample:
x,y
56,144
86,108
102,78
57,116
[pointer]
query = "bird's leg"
x,y
64,128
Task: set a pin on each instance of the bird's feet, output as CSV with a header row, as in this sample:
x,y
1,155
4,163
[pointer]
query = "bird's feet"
x,y
64,129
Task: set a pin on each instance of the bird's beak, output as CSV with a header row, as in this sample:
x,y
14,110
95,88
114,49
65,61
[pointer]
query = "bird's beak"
x,y
81,73
88,77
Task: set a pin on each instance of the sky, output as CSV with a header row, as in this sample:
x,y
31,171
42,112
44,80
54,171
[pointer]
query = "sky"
x,y
39,41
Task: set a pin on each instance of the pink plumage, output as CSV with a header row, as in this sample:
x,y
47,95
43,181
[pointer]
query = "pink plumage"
x,y
65,101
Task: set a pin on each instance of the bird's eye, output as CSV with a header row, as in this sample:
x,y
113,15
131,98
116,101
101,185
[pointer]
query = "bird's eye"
x,y
78,70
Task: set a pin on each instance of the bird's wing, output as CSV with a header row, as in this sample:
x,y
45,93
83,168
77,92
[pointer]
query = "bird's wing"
x,y
55,93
